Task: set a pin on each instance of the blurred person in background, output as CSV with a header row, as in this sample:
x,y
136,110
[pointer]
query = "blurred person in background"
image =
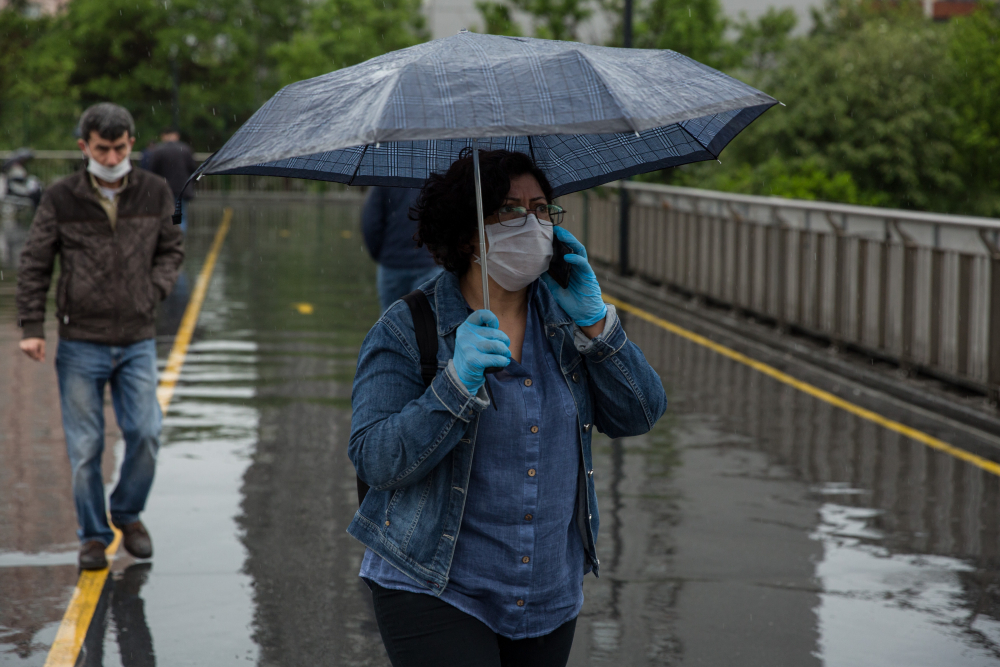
x,y
119,255
174,160
388,232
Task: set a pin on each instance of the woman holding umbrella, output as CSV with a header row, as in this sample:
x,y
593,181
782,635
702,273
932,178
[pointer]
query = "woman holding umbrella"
x,y
482,519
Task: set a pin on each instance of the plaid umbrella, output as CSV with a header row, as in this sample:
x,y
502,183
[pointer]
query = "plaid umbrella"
x,y
586,115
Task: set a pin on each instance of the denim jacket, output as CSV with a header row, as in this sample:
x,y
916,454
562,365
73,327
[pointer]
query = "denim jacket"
x,y
414,446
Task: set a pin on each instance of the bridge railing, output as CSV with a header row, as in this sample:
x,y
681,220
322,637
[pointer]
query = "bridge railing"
x,y
919,289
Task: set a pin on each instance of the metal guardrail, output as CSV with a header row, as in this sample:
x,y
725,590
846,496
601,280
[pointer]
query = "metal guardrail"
x,y
920,289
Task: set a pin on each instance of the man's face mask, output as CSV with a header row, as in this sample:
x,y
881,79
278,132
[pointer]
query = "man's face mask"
x,y
109,174
518,254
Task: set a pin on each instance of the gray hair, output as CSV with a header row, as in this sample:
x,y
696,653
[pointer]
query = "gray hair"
x,y
109,120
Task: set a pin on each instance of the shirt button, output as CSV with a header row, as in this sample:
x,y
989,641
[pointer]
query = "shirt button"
x,y
531,472
576,377
600,354
520,603
525,559
527,382
552,334
590,473
534,429
528,517
387,523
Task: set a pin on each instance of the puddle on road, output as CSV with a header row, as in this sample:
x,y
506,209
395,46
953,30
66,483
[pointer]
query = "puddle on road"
x,y
788,532
753,525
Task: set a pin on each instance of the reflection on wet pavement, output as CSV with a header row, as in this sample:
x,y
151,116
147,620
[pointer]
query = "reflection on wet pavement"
x,y
753,526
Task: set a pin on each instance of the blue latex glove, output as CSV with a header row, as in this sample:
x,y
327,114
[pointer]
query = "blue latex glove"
x,y
479,344
582,299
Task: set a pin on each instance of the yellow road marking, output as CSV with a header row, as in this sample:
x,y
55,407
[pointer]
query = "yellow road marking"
x,y
73,629
168,381
919,436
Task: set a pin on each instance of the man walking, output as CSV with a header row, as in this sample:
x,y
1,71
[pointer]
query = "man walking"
x,y
118,256
173,160
388,232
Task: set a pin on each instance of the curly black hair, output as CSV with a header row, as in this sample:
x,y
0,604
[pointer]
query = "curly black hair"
x,y
446,208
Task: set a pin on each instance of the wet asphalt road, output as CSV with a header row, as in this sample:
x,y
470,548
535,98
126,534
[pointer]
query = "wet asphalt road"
x,y
754,526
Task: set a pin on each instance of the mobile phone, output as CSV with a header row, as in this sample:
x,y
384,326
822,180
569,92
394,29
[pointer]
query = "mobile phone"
x,y
559,268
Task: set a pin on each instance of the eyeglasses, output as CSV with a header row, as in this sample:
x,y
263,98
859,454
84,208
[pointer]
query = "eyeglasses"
x,y
515,216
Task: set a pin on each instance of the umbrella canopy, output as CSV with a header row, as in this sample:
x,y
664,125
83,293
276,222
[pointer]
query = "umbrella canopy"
x,y
586,114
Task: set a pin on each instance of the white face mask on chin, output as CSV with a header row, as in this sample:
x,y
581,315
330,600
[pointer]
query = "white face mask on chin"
x,y
518,255
108,174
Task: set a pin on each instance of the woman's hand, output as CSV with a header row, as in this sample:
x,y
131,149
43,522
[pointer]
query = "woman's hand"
x,y
479,344
582,299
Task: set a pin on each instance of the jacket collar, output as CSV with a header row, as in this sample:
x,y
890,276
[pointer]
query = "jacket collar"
x,y
452,310
82,187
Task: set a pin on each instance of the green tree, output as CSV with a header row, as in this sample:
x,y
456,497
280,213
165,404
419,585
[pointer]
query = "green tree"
x,y
556,19
497,18
973,93
695,28
862,100
125,50
32,65
341,33
761,43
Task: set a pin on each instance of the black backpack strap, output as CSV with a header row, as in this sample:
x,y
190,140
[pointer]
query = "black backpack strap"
x,y
425,327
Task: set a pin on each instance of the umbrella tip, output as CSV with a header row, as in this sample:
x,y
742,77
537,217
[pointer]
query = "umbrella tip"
x,y
782,103
461,30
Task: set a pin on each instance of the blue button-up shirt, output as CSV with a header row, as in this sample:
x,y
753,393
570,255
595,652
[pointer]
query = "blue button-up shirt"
x,y
519,559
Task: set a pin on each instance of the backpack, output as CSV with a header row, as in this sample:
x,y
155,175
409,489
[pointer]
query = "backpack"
x,y
425,327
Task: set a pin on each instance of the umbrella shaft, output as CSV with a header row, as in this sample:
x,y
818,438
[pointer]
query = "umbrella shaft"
x,y
482,226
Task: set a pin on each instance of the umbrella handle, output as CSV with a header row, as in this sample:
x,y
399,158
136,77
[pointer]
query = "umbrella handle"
x,y
482,225
482,240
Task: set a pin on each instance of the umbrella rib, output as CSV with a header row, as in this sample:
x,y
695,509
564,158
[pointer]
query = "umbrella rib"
x,y
531,149
607,88
696,140
358,168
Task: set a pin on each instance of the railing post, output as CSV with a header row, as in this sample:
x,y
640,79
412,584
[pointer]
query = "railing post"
x,y
840,242
909,297
736,278
993,335
781,312
623,224
937,287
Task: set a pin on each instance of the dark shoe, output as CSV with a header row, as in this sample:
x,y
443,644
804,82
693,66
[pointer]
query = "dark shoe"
x,y
136,539
92,556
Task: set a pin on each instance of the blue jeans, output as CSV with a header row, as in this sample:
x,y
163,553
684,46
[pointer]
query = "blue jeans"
x,y
394,284
83,369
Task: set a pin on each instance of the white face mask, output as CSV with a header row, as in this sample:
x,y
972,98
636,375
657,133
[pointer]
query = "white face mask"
x,y
108,174
518,255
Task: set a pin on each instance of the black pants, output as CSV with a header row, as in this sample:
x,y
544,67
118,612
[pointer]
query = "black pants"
x,y
420,630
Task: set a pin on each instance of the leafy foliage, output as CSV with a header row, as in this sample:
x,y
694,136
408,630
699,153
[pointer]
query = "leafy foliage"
x,y
498,18
341,33
230,56
909,110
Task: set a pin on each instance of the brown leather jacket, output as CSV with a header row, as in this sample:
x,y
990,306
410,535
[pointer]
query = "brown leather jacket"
x,y
110,278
